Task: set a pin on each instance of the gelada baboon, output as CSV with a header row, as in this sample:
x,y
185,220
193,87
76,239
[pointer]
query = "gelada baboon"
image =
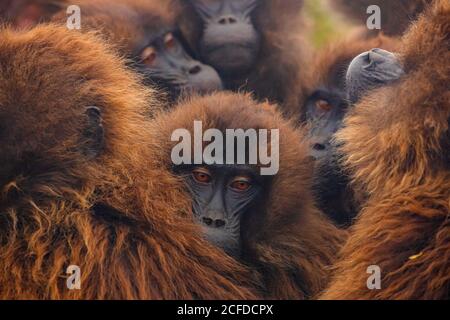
x,y
256,45
396,144
145,32
396,15
268,222
325,108
79,185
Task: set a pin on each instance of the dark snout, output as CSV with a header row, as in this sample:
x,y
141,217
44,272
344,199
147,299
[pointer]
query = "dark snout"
x,y
370,70
319,147
202,78
213,219
230,44
217,230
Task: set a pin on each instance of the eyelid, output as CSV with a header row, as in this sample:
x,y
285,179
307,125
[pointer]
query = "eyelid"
x,y
323,105
147,52
241,178
202,170
247,180
169,40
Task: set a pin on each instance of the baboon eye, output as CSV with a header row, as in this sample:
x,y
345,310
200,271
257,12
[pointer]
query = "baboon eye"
x,y
201,175
323,105
148,55
241,184
169,41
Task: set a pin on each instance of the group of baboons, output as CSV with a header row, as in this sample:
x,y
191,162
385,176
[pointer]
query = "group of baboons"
x,y
87,179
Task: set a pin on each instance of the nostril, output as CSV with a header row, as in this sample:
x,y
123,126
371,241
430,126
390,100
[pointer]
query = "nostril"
x,y
207,221
195,70
219,223
319,147
227,20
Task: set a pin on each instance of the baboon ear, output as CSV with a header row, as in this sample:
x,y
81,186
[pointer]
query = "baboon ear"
x,y
27,13
93,132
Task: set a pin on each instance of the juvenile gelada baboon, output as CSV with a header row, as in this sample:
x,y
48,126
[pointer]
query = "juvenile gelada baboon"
x,y
269,221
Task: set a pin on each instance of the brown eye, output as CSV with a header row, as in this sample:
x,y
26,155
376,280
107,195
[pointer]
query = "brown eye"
x,y
323,105
201,176
169,41
148,55
241,184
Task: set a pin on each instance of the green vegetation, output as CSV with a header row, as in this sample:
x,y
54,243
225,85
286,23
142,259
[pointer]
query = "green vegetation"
x,y
325,25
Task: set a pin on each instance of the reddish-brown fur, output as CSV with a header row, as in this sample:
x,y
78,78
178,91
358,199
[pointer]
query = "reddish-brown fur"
x,y
281,71
125,23
396,144
330,65
290,242
26,13
329,71
396,15
141,245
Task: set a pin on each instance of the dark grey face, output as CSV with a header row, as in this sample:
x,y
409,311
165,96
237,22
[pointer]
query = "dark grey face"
x,y
325,109
222,195
165,61
370,70
230,43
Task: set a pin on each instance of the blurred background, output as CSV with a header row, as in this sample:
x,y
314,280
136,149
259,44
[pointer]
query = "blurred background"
x,y
325,24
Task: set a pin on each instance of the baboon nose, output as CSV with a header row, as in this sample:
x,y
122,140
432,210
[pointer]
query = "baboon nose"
x,y
215,223
207,221
227,20
219,223
319,146
195,69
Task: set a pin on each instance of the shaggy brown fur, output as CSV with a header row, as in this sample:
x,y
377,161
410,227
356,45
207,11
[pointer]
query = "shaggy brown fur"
x,y
396,143
125,23
331,63
129,25
334,196
280,74
396,15
112,215
288,241
26,13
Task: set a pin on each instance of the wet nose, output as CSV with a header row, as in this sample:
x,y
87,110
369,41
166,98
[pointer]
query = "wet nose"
x,y
227,20
215,223
203,78
195,69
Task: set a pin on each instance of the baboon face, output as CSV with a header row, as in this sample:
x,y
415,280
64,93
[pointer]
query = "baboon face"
x,y
164,60
325,110
230,41
222,196
146,33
